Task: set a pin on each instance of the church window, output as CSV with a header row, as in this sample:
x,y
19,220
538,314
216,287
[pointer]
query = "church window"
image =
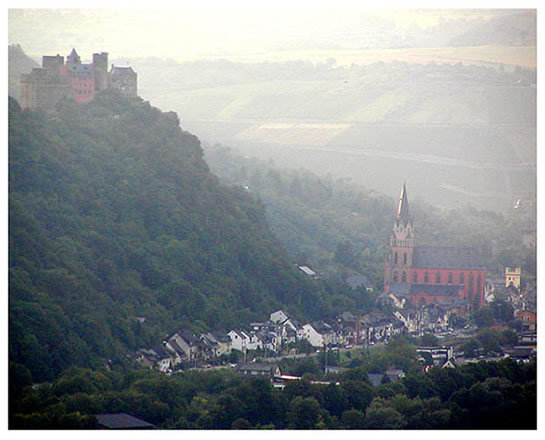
x,y
462,278
426,277
450,277
395,276
470,281
395,257
403,277
438,277
415,277
405,258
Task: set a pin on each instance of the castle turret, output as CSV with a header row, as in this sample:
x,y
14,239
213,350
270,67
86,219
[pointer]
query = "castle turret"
x,y
400,255
73,58
100,67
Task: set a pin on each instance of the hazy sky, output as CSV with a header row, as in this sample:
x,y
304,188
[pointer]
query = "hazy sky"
x,y
190,33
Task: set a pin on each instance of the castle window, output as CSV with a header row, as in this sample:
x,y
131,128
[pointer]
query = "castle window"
x,y
405,258
450,277
438,277
404,277
395,257
415,277
462,278
426,277
395,276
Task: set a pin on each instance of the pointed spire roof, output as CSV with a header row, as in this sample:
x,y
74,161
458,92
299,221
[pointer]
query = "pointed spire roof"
x,y
73,57
403,206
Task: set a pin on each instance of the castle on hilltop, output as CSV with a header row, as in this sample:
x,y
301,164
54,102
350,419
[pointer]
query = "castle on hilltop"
x,y
422,275
55,80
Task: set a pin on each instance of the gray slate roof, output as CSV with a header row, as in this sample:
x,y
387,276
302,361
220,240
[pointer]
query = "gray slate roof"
x,y
358,281
255,366
446,258
435,289
404,289
122,421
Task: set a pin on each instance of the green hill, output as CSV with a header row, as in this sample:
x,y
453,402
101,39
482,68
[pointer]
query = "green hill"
x,y
114,216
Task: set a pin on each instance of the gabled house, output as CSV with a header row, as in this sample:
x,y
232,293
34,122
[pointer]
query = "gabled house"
x,y
157,357
223,340
278,317
410,318
242,340
377,326
209,346
239,340
318,334
392,375
184,341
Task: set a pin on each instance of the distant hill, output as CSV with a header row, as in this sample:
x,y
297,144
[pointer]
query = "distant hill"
x,y
470,129
514,29
19,63
115,216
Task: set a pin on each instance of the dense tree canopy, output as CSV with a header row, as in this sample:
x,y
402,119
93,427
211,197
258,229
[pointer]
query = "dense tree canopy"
x,y
114,216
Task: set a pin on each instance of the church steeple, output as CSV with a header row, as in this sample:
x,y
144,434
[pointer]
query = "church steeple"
x,y
403,207
402,241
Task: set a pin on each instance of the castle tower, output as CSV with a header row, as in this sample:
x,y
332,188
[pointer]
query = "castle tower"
x,y
100,67
400,256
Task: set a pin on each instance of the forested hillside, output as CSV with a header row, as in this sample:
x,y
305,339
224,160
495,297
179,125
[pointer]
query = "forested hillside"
x,y
322,220
113,217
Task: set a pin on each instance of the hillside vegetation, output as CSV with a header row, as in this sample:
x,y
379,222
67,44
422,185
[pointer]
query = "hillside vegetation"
x,y
322,220
114,216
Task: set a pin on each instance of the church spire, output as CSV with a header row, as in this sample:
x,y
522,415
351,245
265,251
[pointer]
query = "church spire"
x,y
403,207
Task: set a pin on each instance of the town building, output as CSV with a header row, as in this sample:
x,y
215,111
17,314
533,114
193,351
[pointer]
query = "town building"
x,y
258,369
512,277
425,274
45,86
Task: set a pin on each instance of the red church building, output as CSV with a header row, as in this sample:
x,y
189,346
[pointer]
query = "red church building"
x,y
425,274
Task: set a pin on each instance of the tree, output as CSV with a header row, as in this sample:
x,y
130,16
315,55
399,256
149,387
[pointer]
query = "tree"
x,y
428,340
353,419
304,413
240,424
344,254
381,416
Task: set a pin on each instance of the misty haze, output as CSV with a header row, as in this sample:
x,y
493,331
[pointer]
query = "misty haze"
x,y
341,202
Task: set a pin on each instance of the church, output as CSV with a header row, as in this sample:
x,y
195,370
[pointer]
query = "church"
x,y
424,274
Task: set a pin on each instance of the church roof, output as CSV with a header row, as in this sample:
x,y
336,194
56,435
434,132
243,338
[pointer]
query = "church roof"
x,y
446,258
431,289
435,289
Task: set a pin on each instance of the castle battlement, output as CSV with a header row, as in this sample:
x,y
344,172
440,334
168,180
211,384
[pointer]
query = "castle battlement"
x,y
45,86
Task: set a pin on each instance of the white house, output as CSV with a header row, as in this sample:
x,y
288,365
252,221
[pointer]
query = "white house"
x,y
317,334
278,317
242,341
